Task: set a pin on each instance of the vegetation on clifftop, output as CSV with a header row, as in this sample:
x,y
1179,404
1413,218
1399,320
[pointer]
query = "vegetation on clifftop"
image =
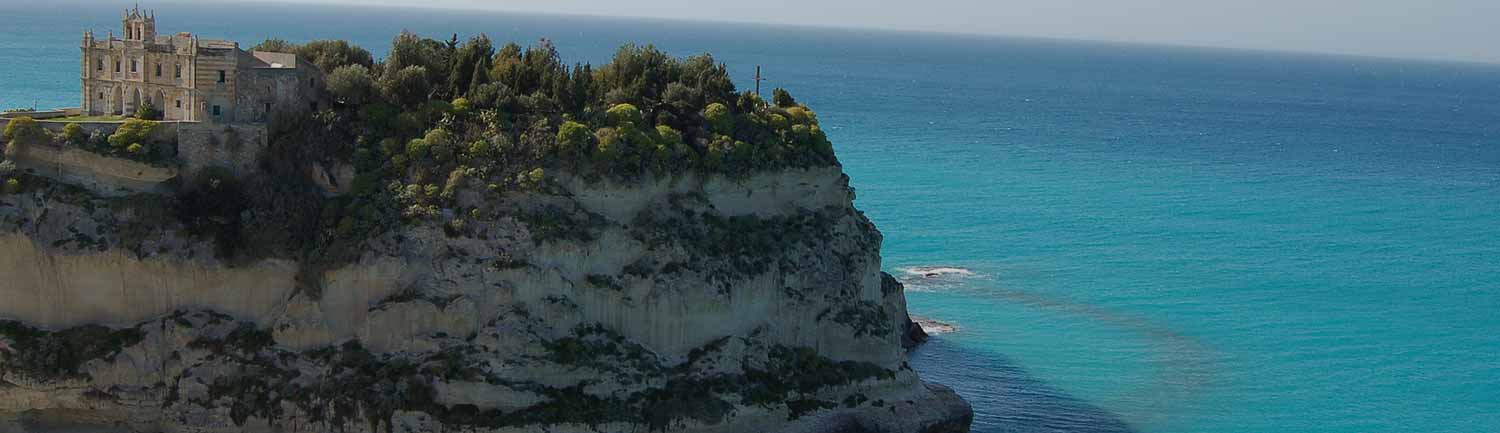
x,y
438,120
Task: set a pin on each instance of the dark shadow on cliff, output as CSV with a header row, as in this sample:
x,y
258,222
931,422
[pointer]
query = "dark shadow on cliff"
x,y
1006,398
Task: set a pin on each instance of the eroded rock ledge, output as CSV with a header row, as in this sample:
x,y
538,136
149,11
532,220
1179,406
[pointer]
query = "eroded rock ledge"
x,y
678,305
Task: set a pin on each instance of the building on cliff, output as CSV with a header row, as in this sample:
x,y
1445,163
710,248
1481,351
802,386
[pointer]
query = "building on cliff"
x,y
190,79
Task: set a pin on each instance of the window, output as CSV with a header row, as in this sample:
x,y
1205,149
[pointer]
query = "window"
x,y
268,107
158,69
178,74
101,95
179,103
216,110
117,66
98,64
221,75
133,66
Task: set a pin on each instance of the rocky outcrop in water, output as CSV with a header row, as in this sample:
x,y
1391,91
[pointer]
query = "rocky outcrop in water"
x,y
683,304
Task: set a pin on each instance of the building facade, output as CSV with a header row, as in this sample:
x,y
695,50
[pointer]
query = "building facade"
x,y
191,79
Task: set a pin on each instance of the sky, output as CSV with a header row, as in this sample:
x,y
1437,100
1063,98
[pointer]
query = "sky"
x,y
1461,30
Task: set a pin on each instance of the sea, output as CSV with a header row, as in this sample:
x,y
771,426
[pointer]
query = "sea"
x,y
1127,238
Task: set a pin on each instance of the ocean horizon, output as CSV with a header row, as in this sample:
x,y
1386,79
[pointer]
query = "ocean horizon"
x,y
1127,238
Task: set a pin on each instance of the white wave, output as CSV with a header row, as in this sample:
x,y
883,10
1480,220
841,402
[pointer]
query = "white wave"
x,y
934,327
937,272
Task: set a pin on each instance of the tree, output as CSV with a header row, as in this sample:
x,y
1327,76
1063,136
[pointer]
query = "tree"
x,y
329,55
275,46
352,84
782,98
471,64
24,130
408,87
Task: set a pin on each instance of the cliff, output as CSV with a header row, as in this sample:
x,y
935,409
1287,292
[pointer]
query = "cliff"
x,y
683,303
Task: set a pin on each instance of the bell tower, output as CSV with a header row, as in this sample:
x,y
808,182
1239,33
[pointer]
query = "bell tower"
x,y
139,26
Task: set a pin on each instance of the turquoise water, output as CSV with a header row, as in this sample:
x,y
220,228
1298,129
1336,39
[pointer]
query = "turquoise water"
x,y
1154,239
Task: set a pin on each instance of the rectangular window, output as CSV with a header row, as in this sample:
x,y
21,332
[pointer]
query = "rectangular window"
x,y
268,107
117,66
98,65
221,76
216,110
178,74
101,95
133,66
158,69
179,103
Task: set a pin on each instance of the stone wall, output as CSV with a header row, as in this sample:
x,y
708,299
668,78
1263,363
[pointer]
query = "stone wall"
x,y
236,147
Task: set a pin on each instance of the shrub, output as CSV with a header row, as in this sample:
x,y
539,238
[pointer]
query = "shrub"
x,y
535,177
74,134
24,130
621,115
718,118
668,136
12,186
609,147
802,116
572,137
147,111
417,149
133,149
461,107
133,131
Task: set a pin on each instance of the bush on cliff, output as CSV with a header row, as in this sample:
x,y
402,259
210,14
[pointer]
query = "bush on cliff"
x,y
74,134
25,130
131,132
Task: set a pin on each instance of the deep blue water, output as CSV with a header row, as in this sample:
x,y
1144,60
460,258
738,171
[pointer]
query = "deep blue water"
x,y
1156,239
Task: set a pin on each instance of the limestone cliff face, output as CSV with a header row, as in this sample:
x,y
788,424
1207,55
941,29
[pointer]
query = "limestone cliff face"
x,y
680,304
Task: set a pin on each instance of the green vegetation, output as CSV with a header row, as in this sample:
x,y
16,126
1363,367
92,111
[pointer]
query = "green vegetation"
x,y
147,111
48,356
73,134
25,130
440,120
733,247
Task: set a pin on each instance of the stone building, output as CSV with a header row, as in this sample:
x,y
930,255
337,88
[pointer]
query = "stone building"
x,y
191,79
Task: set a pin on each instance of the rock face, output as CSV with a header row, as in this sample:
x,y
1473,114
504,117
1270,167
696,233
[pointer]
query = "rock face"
x,y
683,304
